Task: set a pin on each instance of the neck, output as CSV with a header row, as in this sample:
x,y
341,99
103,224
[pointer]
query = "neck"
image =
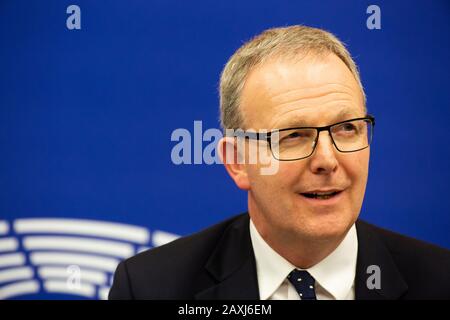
x,y
303,252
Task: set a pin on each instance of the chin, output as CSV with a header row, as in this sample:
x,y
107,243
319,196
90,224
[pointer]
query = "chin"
x,y
326,227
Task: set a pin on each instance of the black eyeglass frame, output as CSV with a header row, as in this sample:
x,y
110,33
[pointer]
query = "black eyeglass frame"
x,y
267,136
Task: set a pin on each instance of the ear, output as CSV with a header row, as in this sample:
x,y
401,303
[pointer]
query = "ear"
x,y
236,169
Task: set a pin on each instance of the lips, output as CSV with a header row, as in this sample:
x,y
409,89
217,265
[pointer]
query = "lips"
x,y
325,197
321,194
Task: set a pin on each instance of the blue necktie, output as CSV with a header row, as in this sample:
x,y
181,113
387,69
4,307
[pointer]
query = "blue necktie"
x,y
303,283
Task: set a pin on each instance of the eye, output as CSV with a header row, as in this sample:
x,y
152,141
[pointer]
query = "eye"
x,y
294,135
348,127
297,136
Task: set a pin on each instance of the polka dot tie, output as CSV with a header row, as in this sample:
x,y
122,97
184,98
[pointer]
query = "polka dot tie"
x,y
303,283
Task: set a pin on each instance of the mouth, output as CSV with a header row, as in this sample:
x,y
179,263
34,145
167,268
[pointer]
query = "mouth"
x,y
324,197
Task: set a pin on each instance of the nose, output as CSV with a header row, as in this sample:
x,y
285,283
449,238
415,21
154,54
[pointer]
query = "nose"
x,y
323,160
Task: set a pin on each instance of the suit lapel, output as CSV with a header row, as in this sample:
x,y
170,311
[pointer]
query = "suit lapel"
x,y
373,252
232,265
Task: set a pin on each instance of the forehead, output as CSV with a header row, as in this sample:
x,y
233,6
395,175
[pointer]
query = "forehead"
x,y
311,90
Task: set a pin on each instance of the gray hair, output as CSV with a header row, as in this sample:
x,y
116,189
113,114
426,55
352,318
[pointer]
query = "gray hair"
x,y
286,42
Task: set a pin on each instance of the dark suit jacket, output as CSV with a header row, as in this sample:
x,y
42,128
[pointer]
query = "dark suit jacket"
x,y
219,263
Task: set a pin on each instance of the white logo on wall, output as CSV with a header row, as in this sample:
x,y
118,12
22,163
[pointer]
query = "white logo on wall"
x,y
67,256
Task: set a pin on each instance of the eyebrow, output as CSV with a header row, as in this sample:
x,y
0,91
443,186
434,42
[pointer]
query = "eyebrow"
x,y
343,115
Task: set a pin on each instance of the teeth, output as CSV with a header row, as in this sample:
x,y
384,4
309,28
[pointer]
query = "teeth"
x,y
323,195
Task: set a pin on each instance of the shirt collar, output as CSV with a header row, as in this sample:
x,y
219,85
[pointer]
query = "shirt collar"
x,y
335,273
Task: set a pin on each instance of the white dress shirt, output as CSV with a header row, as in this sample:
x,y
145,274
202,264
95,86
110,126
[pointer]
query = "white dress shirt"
x,y
334,275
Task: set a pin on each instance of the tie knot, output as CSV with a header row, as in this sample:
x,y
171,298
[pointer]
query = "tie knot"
x,y
303,283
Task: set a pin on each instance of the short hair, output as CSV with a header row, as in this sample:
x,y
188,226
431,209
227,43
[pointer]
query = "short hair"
x,y
285,42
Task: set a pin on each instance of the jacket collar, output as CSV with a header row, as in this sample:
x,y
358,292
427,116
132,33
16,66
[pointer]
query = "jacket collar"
x,y
373,252
232,265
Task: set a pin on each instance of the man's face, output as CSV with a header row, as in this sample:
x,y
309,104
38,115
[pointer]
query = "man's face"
x,y
310,92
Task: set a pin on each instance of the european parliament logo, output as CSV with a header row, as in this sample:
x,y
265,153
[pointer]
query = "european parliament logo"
x,y
63,257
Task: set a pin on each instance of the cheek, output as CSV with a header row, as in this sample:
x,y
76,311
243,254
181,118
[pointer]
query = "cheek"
x,y
290,173
284,180
357,167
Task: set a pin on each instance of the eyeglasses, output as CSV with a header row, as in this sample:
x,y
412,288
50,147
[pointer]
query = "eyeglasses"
x,y
299,143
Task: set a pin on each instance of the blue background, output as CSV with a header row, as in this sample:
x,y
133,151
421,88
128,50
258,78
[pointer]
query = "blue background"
x,y
86,115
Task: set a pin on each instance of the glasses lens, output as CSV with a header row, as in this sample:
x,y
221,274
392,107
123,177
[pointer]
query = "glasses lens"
x,y
352,135
293,144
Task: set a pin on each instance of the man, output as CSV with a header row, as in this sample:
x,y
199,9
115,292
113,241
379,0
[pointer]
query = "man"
x,y
301,238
